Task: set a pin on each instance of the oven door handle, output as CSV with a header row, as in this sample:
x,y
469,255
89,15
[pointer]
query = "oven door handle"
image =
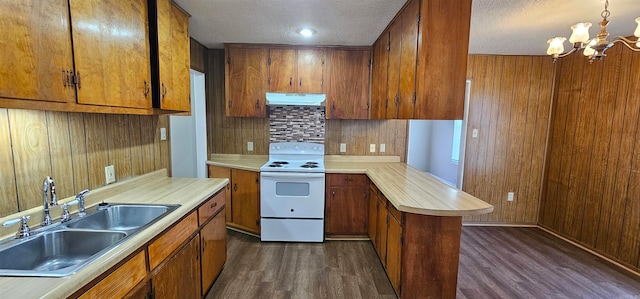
x,y
293,175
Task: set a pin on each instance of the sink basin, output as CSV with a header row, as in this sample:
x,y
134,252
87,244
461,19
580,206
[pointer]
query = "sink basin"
x,y
63,249
55,253
121,217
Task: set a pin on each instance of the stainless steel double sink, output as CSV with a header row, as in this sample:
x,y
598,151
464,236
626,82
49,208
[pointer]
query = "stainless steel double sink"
x,y
64,248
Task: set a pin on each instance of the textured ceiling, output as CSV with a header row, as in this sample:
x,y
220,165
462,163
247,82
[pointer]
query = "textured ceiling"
x,y
497,26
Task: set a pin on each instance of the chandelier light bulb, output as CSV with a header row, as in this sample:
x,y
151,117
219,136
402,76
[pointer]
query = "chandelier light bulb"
x,y
637,33
588,51
556,45
580,33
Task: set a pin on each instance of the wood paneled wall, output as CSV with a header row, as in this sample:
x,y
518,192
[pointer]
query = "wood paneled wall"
x,y
509,106
73,148
593,181
229,135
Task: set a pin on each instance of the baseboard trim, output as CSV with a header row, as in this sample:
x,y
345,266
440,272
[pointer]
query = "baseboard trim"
x,y
585,248
242,231
497,224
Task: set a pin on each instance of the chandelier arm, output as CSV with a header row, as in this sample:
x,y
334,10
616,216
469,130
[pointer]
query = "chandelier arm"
x,y
568,53
625,41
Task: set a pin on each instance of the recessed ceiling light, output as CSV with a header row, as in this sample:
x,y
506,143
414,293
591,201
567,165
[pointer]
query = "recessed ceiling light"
x,y
306,32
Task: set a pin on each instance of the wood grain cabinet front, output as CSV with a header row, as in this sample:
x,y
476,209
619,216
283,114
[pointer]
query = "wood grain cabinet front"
x,y
347,201
170,57
242,197
348,83
213,243
245,81
296,70
179,276
121,281
415,77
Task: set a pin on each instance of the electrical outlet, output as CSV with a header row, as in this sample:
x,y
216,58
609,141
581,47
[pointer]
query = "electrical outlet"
x,y
383,147
474,133
510,196
372,148
250,146
110,174
343,147
163,133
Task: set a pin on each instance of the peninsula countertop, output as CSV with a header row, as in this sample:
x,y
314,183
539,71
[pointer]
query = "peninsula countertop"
x,y
408,189
152,188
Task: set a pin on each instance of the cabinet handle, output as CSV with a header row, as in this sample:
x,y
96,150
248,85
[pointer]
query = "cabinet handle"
x,y
300,81
214,205
290,81
69,78
146,88
164,90
65,78
78,78
333,193
258,104
235,187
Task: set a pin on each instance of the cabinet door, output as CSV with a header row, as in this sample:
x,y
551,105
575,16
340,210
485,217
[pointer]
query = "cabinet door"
x,y
213,240
174,53
409,47
393,75
113,68
142,291
35,43
310,65
373,213
346,211
245,199
348,96
223,172
381,230
179,277
282,70
379,77
394,252
246,81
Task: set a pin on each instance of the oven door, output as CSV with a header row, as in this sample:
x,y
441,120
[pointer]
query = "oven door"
x,y
292,195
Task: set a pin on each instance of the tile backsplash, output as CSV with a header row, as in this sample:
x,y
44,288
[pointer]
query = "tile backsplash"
x,y
296,124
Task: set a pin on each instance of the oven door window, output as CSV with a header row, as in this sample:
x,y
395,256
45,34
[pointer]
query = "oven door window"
x,y
292,189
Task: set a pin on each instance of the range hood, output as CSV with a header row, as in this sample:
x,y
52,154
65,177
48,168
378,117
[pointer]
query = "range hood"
x,y
295,99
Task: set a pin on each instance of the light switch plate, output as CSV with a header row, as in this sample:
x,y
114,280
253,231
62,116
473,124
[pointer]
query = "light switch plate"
x,y
250,146
163,133
372,148
343,147
383,147
110,174
510,196
474,133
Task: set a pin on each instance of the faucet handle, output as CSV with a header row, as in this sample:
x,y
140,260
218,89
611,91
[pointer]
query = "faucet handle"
x,y
66,216
24,231
80,200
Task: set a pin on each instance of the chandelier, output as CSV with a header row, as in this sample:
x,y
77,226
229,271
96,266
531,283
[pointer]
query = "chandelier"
x,y
592,48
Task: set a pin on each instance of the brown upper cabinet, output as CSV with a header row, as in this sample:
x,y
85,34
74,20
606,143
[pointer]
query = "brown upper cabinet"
x,y
348,92
73,56
171,86
296,70
245,81
422,75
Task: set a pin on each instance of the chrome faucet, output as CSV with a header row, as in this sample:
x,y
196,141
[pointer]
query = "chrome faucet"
x,y
80,200
49,190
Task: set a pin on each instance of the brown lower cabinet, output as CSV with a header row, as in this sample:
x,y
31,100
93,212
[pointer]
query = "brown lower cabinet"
x,y
420,253
347,198
179,277
243,201
183,261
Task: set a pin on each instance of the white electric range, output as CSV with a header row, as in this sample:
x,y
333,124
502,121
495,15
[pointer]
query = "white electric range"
x,y
292,186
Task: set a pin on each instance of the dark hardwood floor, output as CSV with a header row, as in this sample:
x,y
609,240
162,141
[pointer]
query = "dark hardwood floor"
x,y
495,262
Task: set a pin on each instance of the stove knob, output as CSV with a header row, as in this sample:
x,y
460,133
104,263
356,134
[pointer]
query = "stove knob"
x,y
296,147
277,147
315,148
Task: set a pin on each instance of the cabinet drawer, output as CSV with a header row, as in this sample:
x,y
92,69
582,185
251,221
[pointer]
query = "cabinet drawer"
x,y
120,281
211,207
347,180
172,239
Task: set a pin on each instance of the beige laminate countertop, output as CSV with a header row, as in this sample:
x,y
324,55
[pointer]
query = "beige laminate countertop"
x,y
408,189
152,188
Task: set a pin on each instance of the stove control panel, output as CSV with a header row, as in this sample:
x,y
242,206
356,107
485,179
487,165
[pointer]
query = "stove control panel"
x,y
297,148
